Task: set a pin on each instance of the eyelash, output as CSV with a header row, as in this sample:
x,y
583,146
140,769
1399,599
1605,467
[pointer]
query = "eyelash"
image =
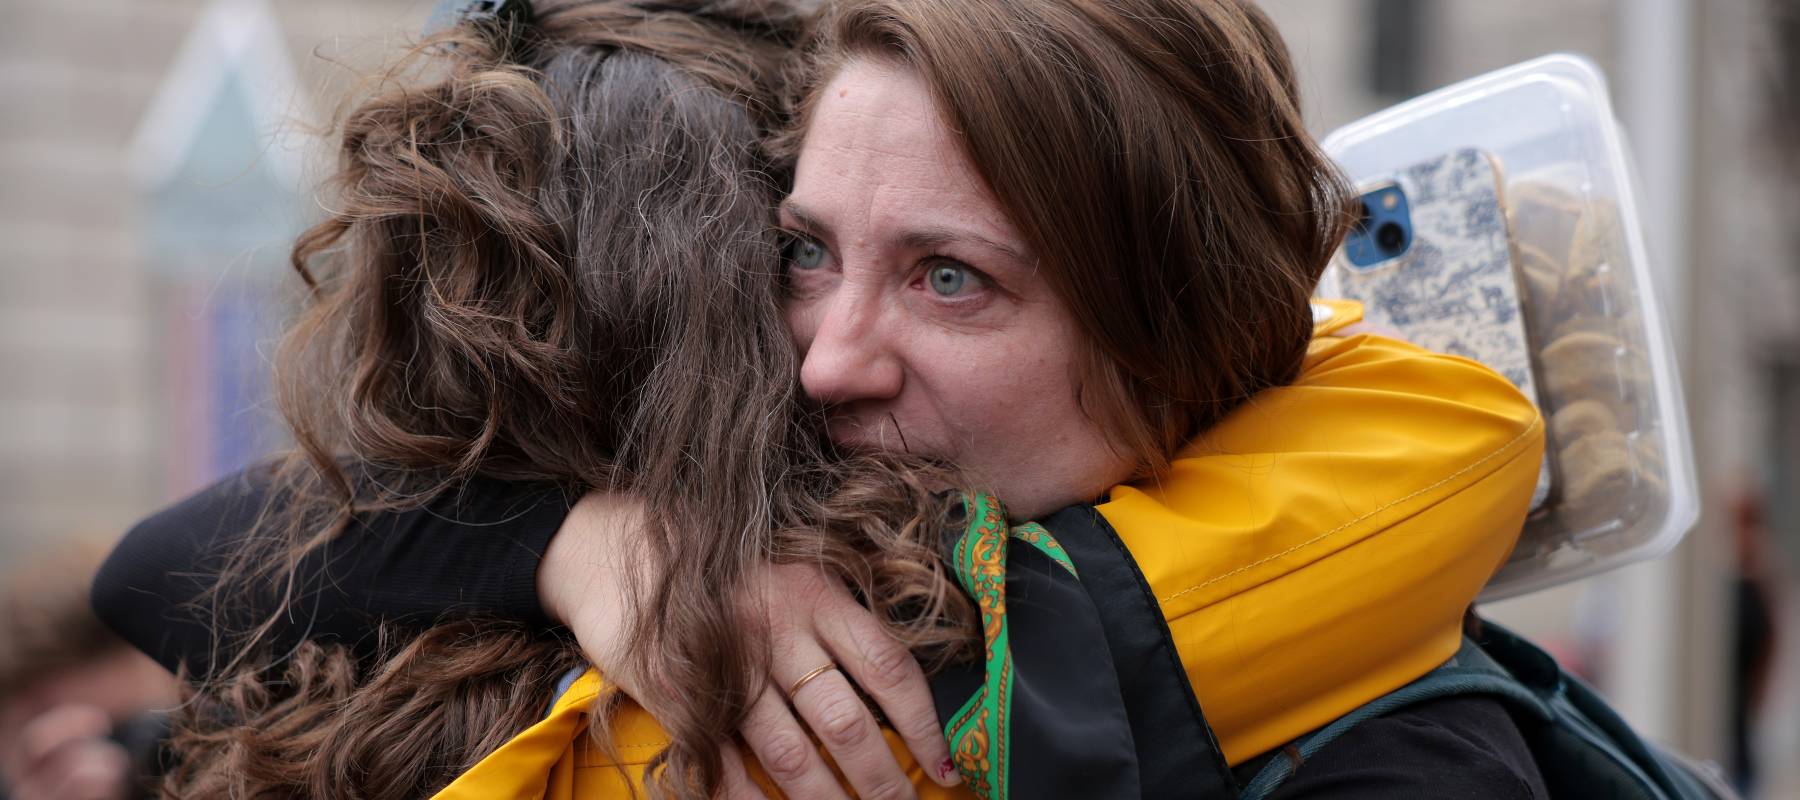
x,y
930,263
791,238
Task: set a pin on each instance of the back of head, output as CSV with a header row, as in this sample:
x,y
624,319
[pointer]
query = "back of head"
x,y
1152,153
527,241
547,256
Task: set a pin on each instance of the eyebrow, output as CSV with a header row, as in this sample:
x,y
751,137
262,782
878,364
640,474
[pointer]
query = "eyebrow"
x,y
807,219
921,239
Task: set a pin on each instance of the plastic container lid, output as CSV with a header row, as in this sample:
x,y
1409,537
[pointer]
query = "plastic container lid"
x,y
1624,486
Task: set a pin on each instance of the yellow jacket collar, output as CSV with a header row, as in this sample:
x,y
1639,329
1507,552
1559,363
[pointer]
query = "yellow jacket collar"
x,y
1318,548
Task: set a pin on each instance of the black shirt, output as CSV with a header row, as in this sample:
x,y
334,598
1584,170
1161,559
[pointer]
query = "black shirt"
x,y
466,553
475,552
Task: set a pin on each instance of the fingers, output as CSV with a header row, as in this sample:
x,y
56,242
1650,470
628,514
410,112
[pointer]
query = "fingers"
x,y
843,724
61,725
890,674
814,622
737,784
67,756
787,754
92,769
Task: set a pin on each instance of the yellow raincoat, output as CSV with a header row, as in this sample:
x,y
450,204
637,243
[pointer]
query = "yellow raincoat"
x,y
1312,552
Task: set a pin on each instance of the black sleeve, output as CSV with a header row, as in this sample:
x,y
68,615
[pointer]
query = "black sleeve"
x,y
1465,746
473,551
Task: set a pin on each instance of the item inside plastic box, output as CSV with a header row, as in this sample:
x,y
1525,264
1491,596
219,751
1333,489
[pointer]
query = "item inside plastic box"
x,y
1623,483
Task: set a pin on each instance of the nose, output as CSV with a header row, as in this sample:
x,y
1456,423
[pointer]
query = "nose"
x,y
849,353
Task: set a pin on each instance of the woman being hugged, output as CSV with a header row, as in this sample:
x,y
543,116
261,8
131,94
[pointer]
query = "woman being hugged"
x,y
547,262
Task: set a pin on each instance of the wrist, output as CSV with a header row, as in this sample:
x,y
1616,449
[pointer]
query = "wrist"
x,y
589,565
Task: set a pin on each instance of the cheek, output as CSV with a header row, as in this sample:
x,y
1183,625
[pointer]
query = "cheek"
x,y
1045,453
1043,364
1000,392
802,317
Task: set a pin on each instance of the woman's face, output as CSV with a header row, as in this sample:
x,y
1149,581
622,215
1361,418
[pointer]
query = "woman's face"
x,y
923,320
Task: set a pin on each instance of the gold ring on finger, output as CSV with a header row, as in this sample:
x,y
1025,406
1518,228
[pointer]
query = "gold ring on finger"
x,y
804,679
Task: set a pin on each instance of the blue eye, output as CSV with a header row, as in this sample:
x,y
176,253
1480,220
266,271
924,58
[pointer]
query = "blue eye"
x,y
948,280
804,252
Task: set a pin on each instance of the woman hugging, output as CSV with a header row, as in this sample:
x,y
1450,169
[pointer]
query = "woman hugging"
x,y
898,398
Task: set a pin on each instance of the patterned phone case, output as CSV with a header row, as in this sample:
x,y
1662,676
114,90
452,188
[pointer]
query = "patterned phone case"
x,y
1455,289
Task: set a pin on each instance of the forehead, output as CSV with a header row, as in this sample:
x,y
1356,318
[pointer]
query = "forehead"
x,y
878,148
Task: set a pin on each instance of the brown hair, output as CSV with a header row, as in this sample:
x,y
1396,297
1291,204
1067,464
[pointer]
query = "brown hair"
x,y
555,264
321,724
1152,152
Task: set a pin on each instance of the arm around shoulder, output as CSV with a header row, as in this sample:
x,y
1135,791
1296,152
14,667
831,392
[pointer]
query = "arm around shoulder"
x,y
473,551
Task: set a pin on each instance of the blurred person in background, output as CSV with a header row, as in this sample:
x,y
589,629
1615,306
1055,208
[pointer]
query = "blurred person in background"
x,y
80,710
1756,590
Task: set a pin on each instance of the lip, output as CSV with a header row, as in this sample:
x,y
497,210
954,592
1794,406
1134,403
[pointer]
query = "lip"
x,y
854,433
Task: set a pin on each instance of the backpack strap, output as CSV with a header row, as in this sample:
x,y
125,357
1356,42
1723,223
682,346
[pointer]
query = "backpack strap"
x,y
1582,746
1470,671
1581,713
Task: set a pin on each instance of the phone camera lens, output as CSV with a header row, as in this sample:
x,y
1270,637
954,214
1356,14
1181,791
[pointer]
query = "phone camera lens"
x,y
1390,238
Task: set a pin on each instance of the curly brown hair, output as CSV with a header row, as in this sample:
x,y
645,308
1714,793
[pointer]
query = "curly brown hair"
x,y
548,257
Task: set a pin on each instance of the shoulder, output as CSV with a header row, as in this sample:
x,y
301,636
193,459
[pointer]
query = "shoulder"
x,y
1464,746
221,506
1343,368
170,539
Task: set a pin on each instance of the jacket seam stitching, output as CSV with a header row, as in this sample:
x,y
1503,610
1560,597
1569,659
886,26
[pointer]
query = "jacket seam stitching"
x,y
1535,424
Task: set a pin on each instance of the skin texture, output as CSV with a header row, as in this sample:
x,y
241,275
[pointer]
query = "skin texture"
x,y
924,323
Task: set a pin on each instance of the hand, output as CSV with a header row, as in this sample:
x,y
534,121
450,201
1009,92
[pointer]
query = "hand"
x,y
812,621
65,755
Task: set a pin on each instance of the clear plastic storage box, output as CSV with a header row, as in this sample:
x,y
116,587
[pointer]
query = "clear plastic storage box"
x,y
1621,461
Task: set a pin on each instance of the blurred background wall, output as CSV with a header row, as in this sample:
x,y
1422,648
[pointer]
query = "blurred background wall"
x,y
152,171
155,159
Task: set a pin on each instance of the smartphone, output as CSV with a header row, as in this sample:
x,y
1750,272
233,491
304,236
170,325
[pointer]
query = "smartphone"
x,y
1431,257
